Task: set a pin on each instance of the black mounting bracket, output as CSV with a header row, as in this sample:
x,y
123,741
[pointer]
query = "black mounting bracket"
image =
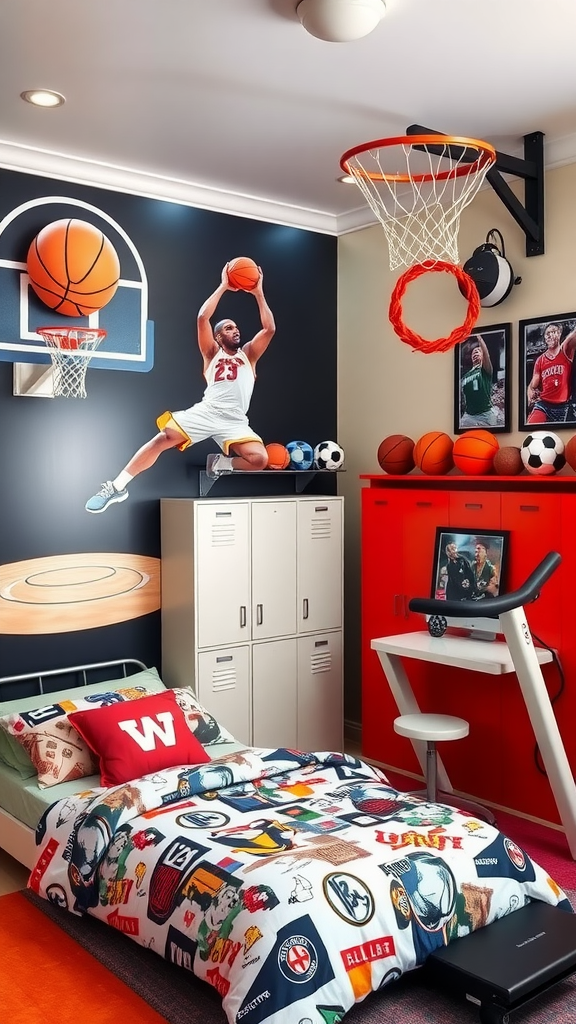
x,y
530,215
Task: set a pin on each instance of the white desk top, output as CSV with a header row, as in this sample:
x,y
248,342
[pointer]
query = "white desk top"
x,y
490,656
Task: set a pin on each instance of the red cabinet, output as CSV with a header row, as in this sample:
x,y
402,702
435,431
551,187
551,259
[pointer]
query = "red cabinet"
x,y
399,518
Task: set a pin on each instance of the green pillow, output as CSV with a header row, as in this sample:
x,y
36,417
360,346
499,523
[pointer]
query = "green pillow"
x,y
14,755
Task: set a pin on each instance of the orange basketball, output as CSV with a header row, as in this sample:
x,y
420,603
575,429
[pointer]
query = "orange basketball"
x,y
508,461
570,452
396,454
243,273
73,268
474,452
433,453
278,456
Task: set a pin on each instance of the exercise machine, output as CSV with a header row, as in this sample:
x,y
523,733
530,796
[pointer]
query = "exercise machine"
x,y
511,961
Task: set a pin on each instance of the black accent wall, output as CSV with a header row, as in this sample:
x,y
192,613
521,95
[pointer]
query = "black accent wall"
x,y
55,453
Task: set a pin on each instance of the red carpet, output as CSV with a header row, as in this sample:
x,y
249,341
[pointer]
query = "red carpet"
x,y
47,977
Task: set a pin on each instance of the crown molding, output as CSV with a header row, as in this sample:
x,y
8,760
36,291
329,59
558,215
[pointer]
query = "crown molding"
x,y
49,164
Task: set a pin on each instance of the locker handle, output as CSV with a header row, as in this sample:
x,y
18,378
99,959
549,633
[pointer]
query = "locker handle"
x,y
320,643
529,508
321,508
243,617
423,504
224,657
259,614
220,514
305,608
381,502
473,504
396,600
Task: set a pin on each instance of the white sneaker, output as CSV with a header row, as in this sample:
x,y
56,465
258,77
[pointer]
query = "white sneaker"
x,y
212,467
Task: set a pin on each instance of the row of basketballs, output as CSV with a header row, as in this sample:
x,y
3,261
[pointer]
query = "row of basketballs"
x,y
301,455
476,452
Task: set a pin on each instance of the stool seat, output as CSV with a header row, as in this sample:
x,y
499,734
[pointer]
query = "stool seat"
x,y
434,728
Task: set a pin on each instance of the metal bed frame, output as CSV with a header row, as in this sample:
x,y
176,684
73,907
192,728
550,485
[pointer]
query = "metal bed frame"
x,y
16,838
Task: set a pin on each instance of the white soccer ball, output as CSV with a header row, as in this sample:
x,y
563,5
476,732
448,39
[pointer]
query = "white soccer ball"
x,y
328,455
542,453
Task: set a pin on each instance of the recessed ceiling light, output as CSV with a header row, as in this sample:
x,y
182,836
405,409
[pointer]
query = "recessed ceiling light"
x,y
43,97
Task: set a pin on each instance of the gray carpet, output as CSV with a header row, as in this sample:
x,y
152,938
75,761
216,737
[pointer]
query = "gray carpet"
x,y
182,999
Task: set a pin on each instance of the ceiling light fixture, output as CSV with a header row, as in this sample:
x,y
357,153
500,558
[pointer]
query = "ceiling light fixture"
x,y
43,97
340,21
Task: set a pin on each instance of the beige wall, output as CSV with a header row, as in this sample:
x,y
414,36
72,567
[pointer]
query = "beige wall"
x,y
384,387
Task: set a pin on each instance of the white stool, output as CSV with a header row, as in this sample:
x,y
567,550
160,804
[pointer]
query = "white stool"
x,y
433,729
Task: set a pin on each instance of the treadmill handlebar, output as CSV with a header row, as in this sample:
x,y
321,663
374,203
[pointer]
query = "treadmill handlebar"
x,y
492,608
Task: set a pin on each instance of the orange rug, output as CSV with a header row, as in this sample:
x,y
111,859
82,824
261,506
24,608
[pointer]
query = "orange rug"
x,y
46,976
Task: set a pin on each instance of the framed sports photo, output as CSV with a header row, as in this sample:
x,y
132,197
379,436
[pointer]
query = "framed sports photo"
x,y
468,566
546,347
482,380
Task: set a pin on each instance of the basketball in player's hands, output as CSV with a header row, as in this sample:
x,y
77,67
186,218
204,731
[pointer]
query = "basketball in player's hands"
x,y
243,273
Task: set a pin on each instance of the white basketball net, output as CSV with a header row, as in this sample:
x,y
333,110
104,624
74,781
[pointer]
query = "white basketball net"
x,y
420,202
71,349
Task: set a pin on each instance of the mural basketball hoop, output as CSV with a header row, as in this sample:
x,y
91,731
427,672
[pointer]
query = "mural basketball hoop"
x,y
418,186
71,349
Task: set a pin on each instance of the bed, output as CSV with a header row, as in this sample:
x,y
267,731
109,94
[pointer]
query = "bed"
x,y
288,880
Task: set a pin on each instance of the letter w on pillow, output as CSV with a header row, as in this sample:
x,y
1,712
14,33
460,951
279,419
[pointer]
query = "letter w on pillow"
x,y
162,728
130,742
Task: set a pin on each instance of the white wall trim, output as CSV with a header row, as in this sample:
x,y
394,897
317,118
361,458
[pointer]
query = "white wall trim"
x,y
49,164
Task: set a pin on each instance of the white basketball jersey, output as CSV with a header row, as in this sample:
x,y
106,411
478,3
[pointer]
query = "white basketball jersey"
x,y
230,381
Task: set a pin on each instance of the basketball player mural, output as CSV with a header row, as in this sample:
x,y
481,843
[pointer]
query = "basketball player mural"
x,y
229,369
549,391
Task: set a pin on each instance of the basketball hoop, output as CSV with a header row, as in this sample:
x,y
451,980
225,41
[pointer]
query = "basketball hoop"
x,y
419,195
71,349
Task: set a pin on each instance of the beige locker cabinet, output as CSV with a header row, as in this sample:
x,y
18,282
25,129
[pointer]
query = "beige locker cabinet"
x,y
256,576
319,549
223,687
274,694
320,721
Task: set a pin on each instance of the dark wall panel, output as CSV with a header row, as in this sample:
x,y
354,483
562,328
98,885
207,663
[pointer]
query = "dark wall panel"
x,y
56,452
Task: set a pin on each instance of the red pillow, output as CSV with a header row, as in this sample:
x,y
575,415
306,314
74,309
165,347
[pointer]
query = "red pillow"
x,y
132,741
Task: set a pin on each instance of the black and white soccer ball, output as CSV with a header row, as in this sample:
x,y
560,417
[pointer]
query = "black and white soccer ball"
x,y
328,455
542,453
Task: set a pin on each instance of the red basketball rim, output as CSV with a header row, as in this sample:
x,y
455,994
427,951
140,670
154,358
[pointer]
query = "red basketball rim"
x,y
485,158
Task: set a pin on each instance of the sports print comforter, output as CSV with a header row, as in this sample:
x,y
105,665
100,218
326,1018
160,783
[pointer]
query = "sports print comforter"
x,y
293,883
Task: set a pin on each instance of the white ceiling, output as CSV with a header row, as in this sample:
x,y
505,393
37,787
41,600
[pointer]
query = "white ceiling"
x,y
230,104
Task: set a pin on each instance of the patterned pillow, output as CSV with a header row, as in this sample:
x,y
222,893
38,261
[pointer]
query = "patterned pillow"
x,y
204,726
47,740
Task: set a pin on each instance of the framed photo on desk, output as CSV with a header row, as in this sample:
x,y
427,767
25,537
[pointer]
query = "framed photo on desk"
x,y
468,566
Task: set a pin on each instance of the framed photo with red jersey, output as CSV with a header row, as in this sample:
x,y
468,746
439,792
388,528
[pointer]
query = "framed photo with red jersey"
x,y
482,380
547,392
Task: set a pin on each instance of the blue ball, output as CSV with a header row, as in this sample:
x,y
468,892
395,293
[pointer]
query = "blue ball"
x,y
301,455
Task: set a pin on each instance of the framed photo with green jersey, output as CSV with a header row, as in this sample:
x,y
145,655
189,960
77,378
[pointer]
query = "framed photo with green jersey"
x,y
547,388
482,380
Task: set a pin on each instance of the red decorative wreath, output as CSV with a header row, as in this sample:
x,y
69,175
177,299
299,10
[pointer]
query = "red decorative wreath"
x,y
468,289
